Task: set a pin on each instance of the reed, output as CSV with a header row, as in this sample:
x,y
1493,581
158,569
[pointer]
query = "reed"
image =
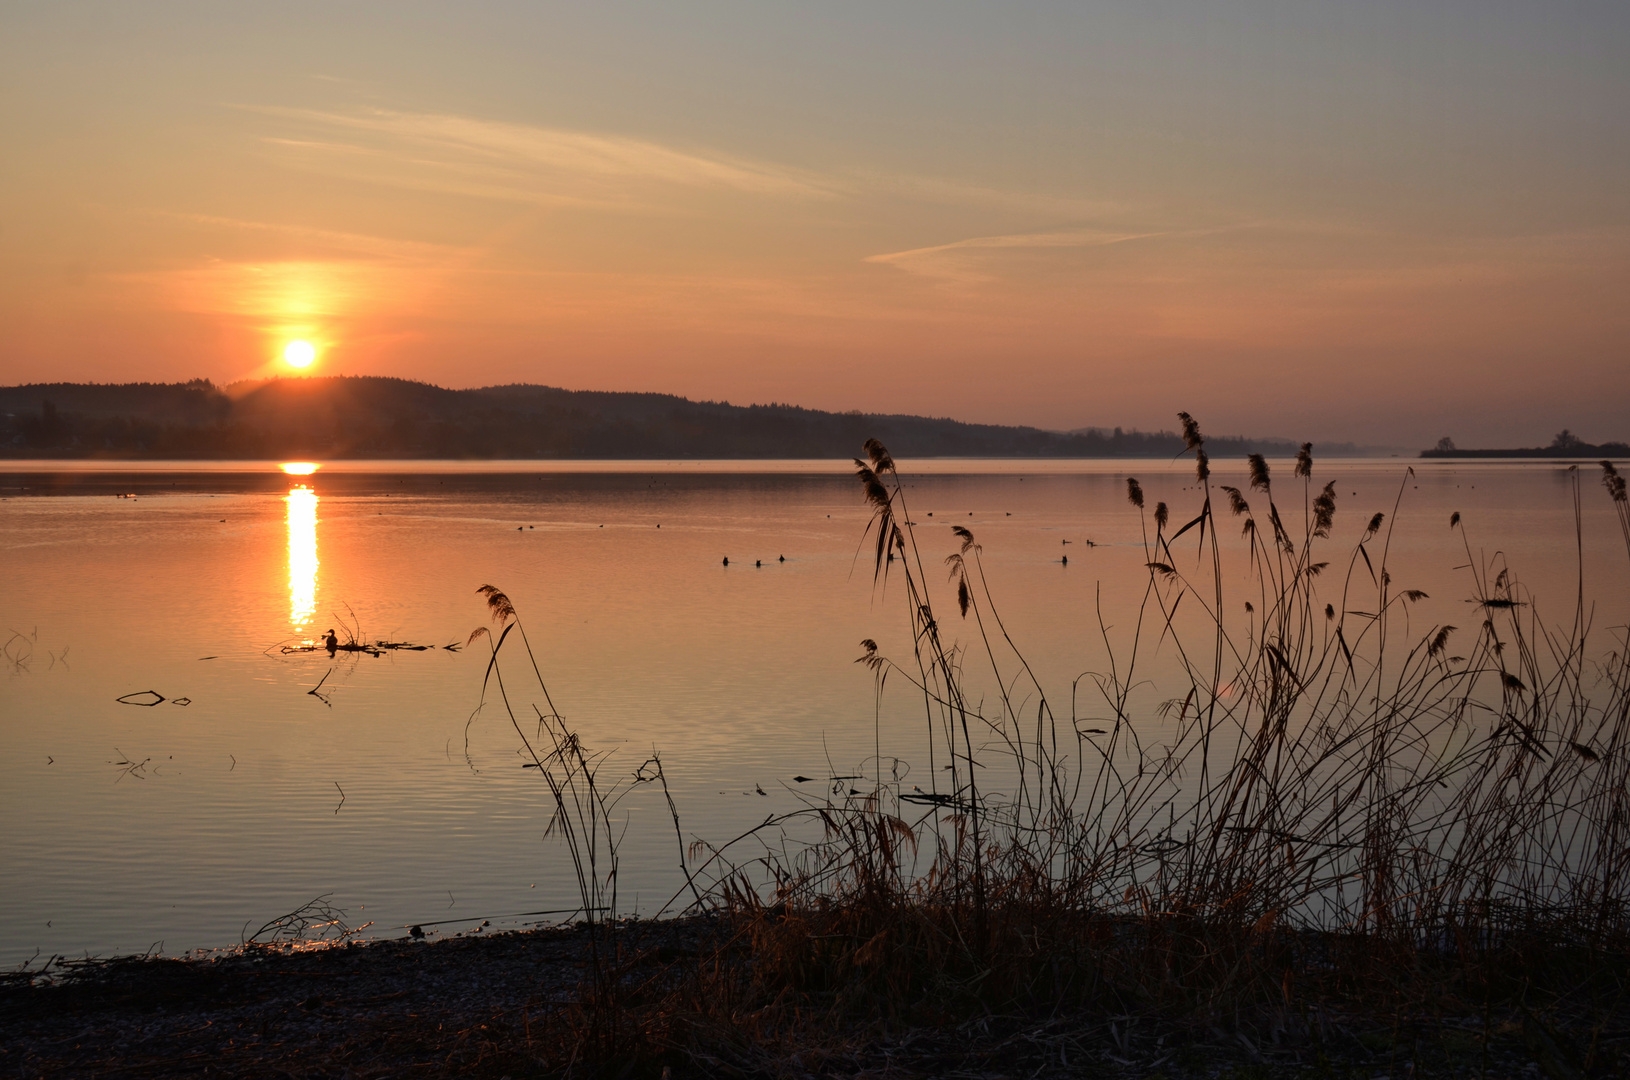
x,y
1330,803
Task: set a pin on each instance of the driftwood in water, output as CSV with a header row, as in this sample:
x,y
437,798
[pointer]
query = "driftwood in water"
x,y
372,648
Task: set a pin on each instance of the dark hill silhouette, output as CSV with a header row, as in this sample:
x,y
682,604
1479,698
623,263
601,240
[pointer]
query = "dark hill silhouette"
x,y
370,417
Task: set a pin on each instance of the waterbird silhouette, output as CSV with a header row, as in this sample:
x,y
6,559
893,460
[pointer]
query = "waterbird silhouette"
x,y
331,642
727,560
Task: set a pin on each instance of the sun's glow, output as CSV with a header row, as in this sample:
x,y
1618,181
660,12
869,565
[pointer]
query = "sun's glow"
x,y
299,468
302,556
299,354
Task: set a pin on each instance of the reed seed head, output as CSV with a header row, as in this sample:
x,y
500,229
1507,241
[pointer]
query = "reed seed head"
x,y
497,603
876,493
1134,491
1324,510
1304,460
1192,439
1259,471
1613,482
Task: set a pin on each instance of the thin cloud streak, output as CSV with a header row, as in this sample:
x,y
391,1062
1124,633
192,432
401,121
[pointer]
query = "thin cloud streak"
x,y
953,261
523,160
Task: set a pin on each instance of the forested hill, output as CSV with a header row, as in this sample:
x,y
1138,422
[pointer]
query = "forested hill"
x,y
367,417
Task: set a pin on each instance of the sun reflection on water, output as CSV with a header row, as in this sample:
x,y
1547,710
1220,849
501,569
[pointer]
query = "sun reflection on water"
x,y
302,555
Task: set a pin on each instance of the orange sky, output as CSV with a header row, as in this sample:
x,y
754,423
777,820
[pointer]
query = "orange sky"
x,y
1310,220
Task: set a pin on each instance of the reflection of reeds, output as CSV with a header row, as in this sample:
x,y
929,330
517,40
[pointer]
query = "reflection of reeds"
x,y
1327,799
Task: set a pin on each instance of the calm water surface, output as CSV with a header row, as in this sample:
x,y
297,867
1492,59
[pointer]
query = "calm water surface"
x,y
124,828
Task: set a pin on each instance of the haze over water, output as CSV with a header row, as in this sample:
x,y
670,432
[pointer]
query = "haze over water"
x,y
130,827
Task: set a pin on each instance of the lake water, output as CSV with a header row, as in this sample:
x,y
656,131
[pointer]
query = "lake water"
x,y
125,828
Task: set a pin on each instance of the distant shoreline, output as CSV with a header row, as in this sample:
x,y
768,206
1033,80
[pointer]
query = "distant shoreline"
x,y
1579,453
375,418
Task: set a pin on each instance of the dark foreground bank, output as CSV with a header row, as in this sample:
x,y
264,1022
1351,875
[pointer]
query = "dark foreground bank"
x,y
513,1004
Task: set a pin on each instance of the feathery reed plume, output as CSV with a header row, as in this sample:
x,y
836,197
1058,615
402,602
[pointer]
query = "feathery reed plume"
x,y
1191,432
1202,465
1374,525
888,532
497,603
876,493
1236,501
1613,482
1162,515
1324,510
1454,519
1304,460
1134,491
1259,471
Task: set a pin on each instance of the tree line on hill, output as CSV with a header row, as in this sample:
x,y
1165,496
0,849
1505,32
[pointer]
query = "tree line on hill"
x,y
373,417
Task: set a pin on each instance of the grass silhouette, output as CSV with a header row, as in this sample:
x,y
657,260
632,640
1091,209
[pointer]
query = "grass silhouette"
x,y
1331,807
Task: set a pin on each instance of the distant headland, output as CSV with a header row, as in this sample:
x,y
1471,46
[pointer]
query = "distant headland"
x,y
1565,445
362,417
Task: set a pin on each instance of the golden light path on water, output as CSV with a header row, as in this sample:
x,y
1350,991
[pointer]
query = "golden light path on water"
x,y
302,555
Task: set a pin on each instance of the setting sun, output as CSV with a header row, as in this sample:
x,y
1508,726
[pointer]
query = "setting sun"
x,y
299,354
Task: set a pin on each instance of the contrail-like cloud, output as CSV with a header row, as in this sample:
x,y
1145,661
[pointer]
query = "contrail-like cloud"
x,y
954,261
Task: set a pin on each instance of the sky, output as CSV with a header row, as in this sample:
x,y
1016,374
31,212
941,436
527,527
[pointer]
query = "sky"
x,y
1379,222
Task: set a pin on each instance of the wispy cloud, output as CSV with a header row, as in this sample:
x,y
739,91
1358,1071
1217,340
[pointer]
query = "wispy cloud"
x,y
960,260
523,162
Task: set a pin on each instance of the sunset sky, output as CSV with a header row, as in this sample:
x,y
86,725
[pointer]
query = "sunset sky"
x,y
1378,221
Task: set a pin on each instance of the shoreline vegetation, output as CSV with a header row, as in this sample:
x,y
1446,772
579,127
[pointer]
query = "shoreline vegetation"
x,y
368,417
1283,829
